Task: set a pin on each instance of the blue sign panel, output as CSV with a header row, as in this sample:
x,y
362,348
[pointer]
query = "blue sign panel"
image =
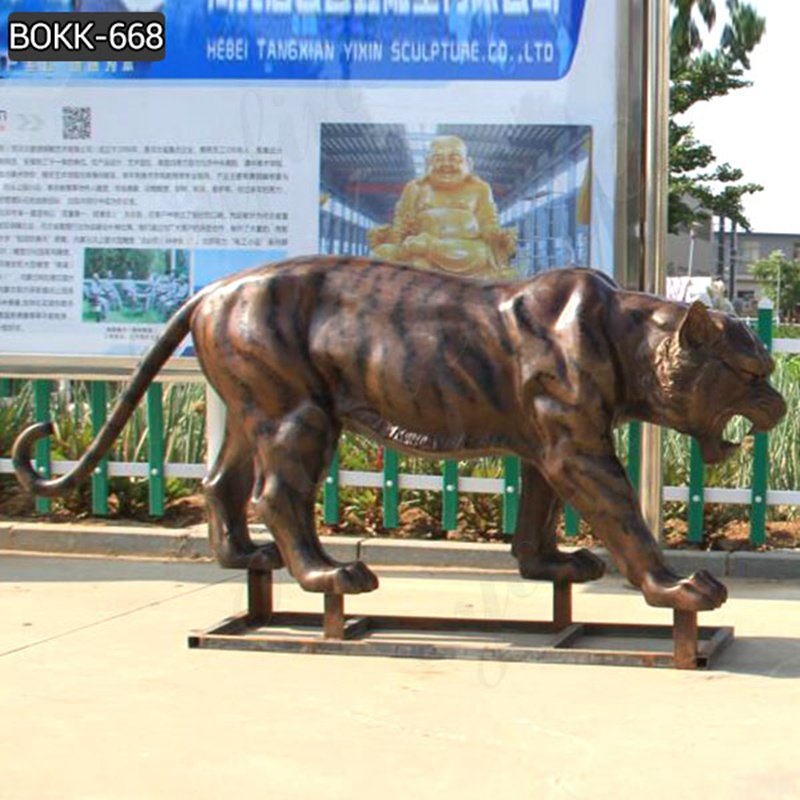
x,y
313,40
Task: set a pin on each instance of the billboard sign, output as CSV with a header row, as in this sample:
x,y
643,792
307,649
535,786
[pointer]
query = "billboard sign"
x,y
274,128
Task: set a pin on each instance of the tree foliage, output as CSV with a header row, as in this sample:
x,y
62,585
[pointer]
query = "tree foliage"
x,y
118,262
779,278
698,75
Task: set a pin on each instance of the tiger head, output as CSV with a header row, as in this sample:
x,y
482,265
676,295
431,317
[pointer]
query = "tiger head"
x,y
711,369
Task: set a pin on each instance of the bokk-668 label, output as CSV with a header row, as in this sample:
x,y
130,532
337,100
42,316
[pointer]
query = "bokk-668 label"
x,y
76,36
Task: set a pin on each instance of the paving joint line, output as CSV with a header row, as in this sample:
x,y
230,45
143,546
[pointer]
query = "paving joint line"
x,y
113,617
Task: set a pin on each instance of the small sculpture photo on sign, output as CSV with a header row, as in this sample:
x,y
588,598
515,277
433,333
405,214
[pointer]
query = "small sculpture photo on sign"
x,y
484,201
134,286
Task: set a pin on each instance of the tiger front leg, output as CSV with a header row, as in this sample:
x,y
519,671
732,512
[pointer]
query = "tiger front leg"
x,y
534,544
596,485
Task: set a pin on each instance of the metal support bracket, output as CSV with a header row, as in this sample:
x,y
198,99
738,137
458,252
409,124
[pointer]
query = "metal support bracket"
x,y
682,645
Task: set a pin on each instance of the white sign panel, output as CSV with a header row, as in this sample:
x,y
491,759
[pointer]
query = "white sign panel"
x,y
276,128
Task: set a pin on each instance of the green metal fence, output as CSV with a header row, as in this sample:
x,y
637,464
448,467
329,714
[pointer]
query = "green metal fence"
x,y
391,481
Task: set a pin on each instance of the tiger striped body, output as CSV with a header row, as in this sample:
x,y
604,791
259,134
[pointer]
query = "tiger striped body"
x,y
428,372
435,364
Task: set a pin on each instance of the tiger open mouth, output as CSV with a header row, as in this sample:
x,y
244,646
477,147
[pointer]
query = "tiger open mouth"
x,y
762,417
715,449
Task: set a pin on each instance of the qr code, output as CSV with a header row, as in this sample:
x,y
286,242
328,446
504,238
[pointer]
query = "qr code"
x,y
77,122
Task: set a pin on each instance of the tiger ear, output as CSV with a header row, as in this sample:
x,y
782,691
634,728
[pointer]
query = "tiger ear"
x,y
697,327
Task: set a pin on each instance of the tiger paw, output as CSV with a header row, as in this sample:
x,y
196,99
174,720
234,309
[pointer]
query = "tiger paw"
x,y
699,592
354,578
578,567
258,558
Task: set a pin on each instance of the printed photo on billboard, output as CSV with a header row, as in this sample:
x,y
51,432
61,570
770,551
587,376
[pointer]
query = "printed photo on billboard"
x,y
485,201
134,286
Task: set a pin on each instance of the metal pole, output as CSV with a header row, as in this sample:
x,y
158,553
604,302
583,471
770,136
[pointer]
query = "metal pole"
x,y
692,239
629,267
656,163
732,258
721,249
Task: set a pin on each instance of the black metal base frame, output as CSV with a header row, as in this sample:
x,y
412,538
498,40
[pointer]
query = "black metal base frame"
x,y
559,640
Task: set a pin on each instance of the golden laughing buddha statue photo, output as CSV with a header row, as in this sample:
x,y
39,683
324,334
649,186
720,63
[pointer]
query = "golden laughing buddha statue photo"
x,y
447,220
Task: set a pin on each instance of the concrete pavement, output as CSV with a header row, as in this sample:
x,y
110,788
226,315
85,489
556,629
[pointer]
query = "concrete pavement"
x,y
102,698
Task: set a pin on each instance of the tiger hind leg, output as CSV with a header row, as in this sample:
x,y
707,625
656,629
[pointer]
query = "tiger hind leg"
x,y
228,487
534,543
292,454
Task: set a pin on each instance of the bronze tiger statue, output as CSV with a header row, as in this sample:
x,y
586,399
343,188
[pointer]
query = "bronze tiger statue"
x,y
429,363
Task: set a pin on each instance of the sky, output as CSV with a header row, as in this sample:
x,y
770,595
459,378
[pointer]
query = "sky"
x,y
755,128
